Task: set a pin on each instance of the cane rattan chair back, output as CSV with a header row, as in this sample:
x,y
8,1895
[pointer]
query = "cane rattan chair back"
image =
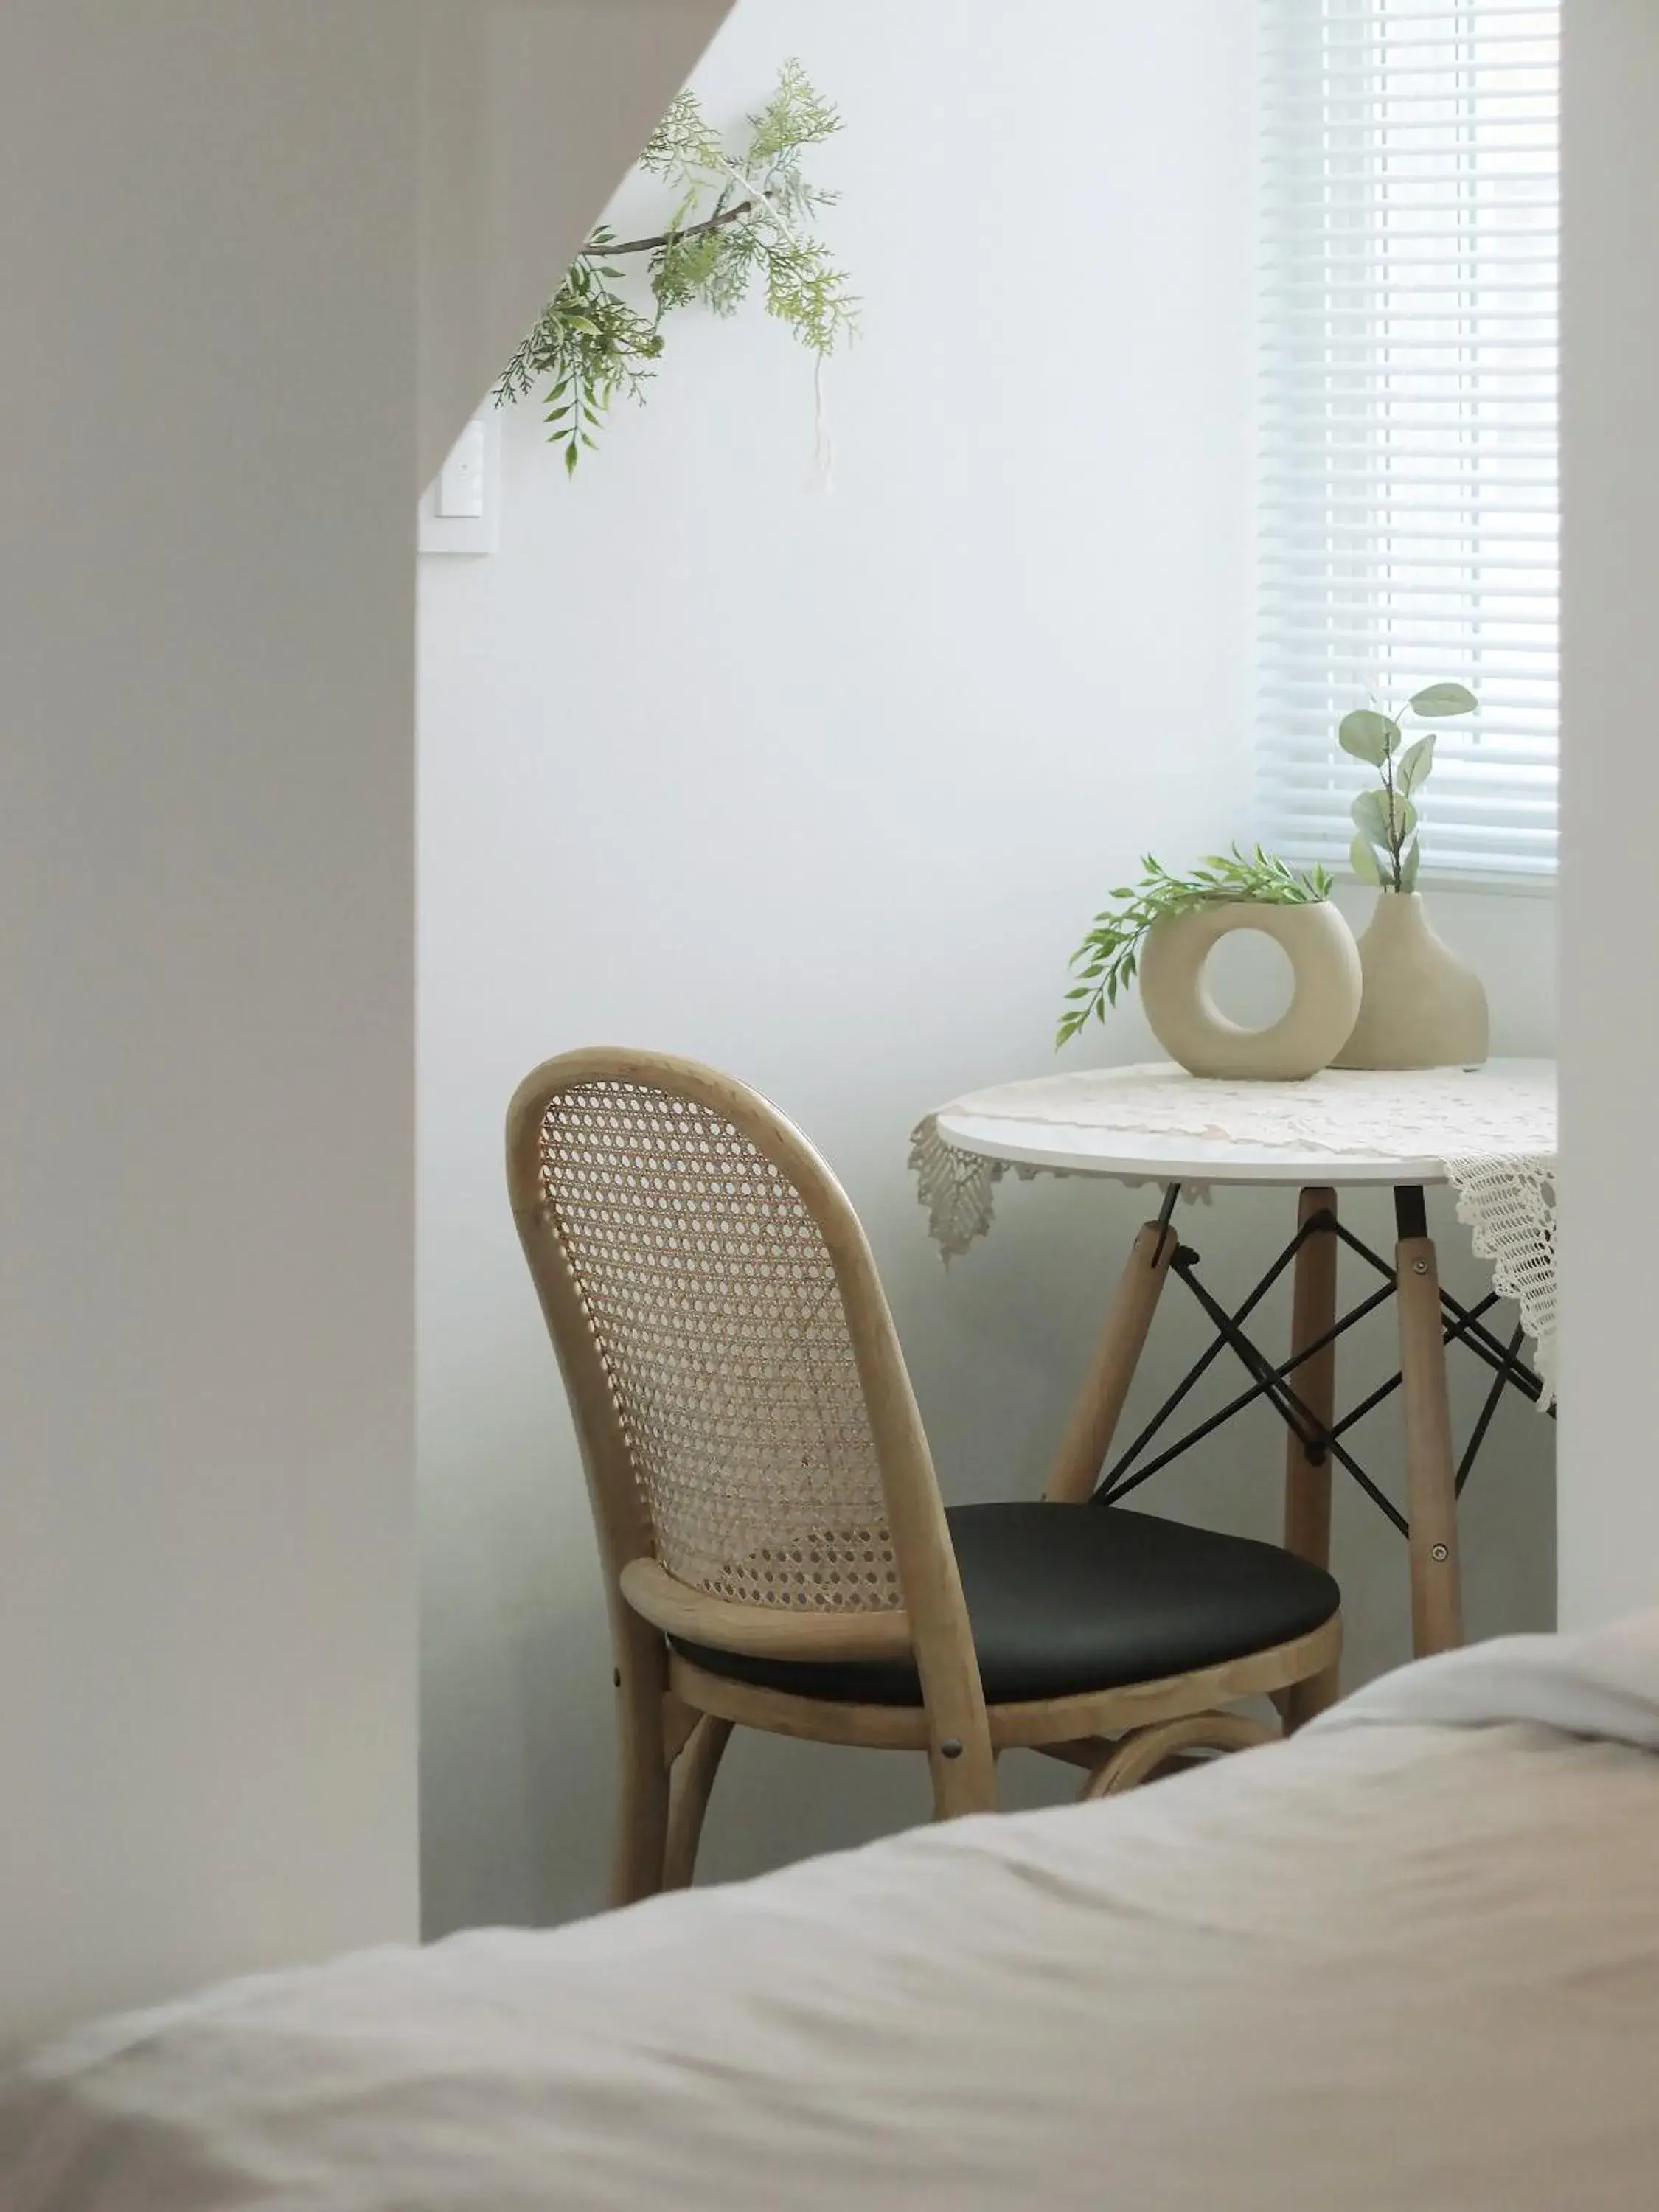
x,y
717,1315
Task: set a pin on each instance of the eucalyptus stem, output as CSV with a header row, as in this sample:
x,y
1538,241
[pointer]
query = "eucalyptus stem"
x,y
1396,839
1385,821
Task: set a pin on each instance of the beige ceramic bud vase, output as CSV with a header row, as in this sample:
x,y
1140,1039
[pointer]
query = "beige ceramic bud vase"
x,y
1420,1006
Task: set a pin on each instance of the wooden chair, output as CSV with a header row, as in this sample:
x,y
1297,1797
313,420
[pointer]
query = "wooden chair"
x,y
774,1547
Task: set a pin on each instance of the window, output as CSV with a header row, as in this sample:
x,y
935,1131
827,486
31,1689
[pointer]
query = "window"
x,y
1409,494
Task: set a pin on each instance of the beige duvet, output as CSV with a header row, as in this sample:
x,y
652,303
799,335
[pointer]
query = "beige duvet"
x,y
1409,1962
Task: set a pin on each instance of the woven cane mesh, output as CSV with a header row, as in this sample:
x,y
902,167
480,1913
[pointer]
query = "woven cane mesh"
x,y
715,1310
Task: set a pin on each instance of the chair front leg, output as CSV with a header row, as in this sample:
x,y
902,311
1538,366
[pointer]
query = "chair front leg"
x,y
962,1786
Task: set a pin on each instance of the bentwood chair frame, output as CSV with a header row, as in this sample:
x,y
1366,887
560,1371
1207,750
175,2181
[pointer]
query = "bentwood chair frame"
x,y
654,1198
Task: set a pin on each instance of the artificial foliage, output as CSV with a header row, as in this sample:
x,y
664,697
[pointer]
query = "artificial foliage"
x,y
737,220
1106,961
1385,849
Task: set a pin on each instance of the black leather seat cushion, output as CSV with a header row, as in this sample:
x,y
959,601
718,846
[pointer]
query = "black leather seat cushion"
x,y
1070,1598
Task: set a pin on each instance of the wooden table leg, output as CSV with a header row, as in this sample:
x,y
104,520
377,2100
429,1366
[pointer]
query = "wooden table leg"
x,y
1307,1477
1094,1419
1430,1463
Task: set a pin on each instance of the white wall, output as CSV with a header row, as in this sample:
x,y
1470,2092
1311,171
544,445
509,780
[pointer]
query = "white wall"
x,y
1610,1020
823,788
208,239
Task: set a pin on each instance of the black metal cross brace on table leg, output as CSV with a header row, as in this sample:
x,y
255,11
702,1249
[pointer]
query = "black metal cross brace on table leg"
x,y
1270,1378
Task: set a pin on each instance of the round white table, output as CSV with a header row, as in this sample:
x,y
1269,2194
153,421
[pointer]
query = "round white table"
x,y
1026,1126
1137,1156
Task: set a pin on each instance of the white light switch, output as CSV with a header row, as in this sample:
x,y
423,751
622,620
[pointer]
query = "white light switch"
x,y
461,484
460,510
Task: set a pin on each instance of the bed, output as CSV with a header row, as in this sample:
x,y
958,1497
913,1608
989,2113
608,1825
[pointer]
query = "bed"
x,y
1408,1959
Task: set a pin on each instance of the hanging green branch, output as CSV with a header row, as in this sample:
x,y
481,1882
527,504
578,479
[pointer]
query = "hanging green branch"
x,y
737,218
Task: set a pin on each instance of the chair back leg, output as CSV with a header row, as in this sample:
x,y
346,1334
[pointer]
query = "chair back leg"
x,y
693,1780
642,1683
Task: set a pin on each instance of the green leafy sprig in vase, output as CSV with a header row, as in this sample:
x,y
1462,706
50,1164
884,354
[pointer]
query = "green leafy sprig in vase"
x,y
1108,958
1161,932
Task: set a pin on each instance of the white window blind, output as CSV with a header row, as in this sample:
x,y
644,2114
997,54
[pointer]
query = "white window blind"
x,y
1409,491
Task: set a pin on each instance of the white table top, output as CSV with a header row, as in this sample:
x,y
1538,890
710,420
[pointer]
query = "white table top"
x,y
1138,1156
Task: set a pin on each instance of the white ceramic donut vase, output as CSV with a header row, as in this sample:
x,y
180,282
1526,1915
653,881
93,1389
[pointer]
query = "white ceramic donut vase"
x,y
1192,1028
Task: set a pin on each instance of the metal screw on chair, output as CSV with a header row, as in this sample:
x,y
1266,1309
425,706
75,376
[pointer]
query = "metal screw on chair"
x,y
1420,1266
951,1747
1441,1553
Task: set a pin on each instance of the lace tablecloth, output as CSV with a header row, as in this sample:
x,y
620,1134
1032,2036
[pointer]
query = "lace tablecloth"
x,y
1490,1130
